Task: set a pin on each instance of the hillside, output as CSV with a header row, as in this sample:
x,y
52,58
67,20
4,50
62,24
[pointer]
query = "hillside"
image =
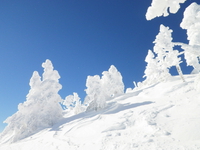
x,y
163,116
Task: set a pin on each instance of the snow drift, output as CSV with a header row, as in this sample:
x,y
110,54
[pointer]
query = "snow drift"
x,y
162,116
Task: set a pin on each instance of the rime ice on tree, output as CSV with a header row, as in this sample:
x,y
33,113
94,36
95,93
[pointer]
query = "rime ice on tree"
x,y
158,67
163,8
95,97
99,90
41,108
191,22
164,49
152,70
112,82
73,103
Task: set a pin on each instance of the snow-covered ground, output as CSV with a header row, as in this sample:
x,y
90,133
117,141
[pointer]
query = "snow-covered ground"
x,y
165,116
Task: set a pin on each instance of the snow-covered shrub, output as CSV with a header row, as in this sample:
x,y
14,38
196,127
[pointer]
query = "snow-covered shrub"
x,y
41,108
79,107
69,102
99,90
163,8
73,103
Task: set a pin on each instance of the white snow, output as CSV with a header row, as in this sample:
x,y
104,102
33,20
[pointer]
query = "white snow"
x,y
164,116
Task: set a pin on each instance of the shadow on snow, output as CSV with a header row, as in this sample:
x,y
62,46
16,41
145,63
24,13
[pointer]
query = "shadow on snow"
x,y
112,108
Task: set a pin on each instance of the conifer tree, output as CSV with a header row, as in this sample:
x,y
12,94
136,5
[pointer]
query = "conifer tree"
x,y
167,57
100,89
41,108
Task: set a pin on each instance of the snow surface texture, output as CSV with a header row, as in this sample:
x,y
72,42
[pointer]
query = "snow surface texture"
x,y
160,8
163,116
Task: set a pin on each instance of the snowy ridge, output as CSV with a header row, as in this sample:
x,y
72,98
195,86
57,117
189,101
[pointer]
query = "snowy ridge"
x,y
164,116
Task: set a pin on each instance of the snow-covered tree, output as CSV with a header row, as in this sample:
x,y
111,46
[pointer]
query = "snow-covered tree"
x,y
78,108
163,8
152,71
41,108
167,57
73,103
69,102
99,90
191,22
161,46
95,97
112,82
158,65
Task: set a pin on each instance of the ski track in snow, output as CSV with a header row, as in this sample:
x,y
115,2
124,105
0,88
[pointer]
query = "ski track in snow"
x,y
165,116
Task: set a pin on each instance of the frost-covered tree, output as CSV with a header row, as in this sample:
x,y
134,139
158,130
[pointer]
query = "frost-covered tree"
x,y
158,65
163,8
95,97
99,90
152,71
167,57
191,22
41,108
162,44
69,102
73,103
160,50
112,82
78,108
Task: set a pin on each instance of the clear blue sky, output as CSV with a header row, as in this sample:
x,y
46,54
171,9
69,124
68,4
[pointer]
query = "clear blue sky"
x,y
80,37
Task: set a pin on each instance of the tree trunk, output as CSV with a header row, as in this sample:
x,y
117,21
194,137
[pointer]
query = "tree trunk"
x,y
180,72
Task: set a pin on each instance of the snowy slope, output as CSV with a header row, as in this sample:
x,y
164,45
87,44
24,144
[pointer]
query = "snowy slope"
x,y
165,116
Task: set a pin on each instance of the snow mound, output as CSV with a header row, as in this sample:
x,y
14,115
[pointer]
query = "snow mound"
x,y
164,116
